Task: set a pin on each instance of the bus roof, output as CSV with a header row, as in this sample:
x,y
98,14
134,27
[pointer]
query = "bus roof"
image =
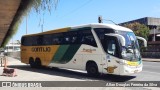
x,y
102,25
93,25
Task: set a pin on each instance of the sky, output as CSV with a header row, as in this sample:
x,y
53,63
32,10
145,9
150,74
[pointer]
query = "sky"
x,y
78,12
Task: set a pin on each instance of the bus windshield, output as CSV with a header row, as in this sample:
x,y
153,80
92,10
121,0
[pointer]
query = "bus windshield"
x,y
131,49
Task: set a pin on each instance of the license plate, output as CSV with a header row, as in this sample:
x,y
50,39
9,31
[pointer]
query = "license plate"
x,y
135,71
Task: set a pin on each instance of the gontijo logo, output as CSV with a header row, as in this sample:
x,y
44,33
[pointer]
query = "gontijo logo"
x,y
41,49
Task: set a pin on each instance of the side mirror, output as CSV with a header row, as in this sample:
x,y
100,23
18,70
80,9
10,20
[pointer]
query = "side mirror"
x,y
120,37
143,39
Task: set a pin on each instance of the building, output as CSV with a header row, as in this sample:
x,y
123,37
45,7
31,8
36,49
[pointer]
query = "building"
x,y
153,49
13,46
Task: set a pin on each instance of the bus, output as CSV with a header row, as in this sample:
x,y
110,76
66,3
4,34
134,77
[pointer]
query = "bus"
x,y
96,48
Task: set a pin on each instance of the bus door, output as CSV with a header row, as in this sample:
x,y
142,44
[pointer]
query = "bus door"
x,y
112,53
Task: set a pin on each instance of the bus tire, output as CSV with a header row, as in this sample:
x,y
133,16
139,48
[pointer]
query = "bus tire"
x,y
38,63
92,69
31,62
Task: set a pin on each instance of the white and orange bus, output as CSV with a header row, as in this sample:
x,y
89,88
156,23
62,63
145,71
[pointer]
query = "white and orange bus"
x,y
96,48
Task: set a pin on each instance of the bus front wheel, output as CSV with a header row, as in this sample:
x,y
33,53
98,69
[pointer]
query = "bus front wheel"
x,y
92,69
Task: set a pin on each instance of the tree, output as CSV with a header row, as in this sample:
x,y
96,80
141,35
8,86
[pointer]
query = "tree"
x,y
139,29
26,6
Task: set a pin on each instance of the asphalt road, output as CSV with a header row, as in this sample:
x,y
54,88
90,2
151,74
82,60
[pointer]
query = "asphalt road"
x,y
152,67
151,72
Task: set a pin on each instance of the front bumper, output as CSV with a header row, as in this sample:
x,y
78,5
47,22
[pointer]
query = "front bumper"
x,y
129,70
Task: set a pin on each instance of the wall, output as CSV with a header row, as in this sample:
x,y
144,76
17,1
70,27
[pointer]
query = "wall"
x,y
14,54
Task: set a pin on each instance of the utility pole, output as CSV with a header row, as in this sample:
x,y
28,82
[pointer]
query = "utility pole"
x,y
42,23
42,27
26,24
12,45
154,38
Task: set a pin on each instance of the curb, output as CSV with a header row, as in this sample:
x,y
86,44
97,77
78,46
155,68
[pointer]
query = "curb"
x,y
151,60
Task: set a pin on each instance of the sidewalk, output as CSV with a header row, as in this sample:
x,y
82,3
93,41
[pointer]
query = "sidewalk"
x,y
151,59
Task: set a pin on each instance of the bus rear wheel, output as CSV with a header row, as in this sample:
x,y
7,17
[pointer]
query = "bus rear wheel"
x,y
38,63
31,62
92,69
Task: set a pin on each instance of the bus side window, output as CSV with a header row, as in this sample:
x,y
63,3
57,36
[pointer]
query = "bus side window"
x,y
70,37
47,40
40,40
34,41
101,33
55,41
23,41
111,48
73,37
66,38
57,38
27,41
87,38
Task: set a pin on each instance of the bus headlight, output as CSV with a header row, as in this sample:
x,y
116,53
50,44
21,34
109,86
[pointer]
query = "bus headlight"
x,y
121,62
